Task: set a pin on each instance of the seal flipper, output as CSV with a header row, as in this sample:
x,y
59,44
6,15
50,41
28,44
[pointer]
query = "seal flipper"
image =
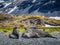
x,y
50,36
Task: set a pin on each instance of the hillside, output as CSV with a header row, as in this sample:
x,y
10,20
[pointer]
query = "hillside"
x,y
47,20
5,17
9,20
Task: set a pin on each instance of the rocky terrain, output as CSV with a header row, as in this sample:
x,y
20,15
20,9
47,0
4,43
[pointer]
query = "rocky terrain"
x,y
5,40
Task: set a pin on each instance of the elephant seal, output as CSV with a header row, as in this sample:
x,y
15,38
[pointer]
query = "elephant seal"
x,y
35,33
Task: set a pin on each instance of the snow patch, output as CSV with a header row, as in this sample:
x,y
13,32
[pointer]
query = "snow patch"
x,y
33,1
57,18
7,4
12,9
1,1
47,25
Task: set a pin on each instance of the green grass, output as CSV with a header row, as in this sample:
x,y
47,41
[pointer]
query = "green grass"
x,y
50,29
6,29
10,29
21,30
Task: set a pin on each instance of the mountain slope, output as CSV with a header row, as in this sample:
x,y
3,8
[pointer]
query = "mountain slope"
x,y
41,7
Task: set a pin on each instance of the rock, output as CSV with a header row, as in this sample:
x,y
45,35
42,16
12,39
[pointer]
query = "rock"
x,y
35,33
14,34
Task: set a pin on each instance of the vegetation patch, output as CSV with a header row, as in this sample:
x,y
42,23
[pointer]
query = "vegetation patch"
x,y
21,29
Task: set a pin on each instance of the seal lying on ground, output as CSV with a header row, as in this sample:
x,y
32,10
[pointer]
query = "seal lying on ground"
x,y
35,33
15,34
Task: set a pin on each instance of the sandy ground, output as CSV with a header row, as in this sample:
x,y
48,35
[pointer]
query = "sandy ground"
x,y
5,40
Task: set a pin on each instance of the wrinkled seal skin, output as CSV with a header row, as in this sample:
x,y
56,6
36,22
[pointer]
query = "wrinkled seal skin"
x,y
34,33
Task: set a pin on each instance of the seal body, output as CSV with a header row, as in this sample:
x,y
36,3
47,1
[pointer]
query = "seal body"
x,y
35,33
14,34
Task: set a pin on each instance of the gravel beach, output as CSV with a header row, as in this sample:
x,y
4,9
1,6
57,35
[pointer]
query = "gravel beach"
x,y
5,40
